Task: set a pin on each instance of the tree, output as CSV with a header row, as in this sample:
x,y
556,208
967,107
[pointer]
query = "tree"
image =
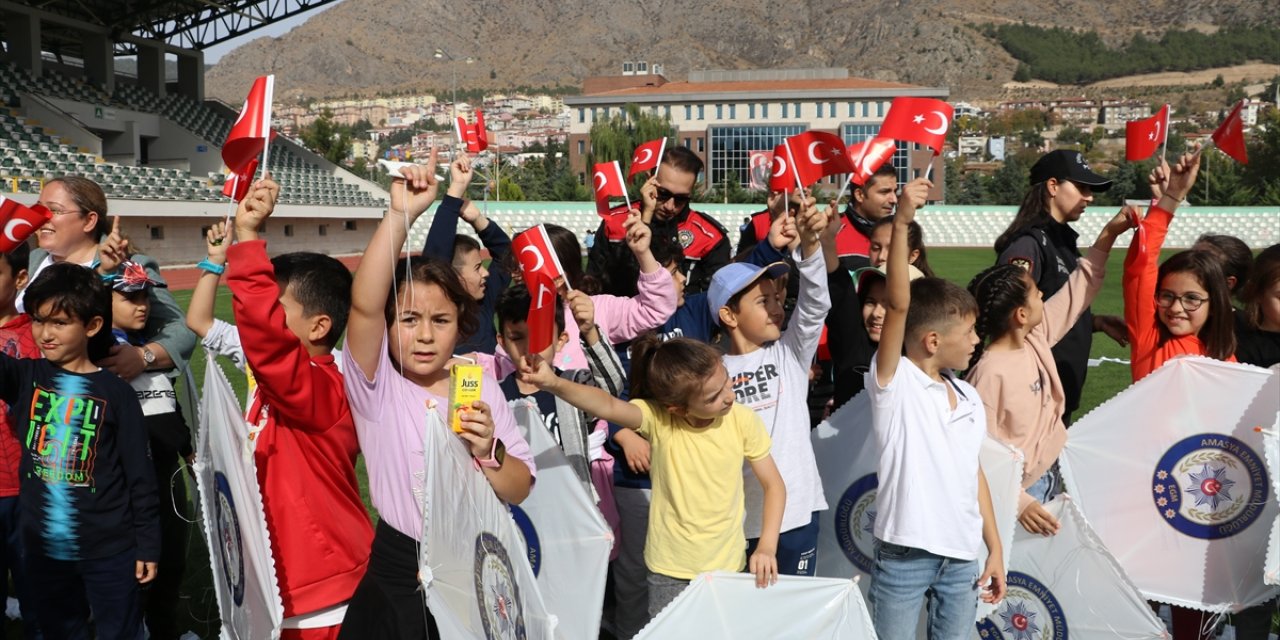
x,y
617,137
1009,183
327,139
1022,73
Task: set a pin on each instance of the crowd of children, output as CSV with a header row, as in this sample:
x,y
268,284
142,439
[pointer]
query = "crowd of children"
x,y
681,398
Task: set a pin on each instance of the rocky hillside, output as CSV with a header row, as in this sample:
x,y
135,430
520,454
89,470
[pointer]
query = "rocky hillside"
x,y
362,46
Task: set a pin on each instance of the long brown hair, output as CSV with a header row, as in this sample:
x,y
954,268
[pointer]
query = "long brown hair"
x,y
1034,210
670,372
1218,333
1266,272
423,270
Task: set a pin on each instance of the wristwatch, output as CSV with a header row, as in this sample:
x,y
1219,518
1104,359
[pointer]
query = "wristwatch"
x,y
148,356
496,456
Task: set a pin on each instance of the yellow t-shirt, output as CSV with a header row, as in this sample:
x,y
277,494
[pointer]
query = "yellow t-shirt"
x,y
695,516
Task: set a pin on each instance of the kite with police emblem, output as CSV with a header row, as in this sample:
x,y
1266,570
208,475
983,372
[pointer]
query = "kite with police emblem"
x,y
235,528
729,605
1067,586
1170,473
848,458
1271,444
567,539
473,562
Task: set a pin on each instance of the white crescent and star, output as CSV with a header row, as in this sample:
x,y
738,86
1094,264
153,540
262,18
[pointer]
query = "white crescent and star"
x,y
942,123
1155,134
599,179
12,226
537,266
648,155
779,166
813,157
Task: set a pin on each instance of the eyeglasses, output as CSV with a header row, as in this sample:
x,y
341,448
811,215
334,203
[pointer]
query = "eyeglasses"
x,y
1190,301
679,199
59,211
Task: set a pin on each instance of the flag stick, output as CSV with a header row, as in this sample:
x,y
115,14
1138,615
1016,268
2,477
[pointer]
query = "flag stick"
x,y
844,188
928,171
1164,144
792,158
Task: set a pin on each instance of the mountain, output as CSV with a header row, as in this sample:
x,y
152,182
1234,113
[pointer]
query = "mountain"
x,y
364,46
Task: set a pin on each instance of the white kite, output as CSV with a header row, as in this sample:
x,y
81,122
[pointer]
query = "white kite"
x,y
1068,586
848,458
473,563
1171,476
1271,444
723,605
235,527
567,539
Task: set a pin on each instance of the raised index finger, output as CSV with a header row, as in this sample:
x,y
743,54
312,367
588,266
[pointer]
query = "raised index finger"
x,y
115,224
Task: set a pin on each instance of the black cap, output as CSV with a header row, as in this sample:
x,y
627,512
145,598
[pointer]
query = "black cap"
x,y
1067,164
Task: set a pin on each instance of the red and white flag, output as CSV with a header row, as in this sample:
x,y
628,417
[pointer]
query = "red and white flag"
x,y
541,321
237,184
482,134
532,248
1229,136
1143,137
817,154
868,156
759,168
921,120
647,157
472,136
252,130
19,221
783,177
607,182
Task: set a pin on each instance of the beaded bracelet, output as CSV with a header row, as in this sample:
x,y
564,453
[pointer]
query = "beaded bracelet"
x,y
215,269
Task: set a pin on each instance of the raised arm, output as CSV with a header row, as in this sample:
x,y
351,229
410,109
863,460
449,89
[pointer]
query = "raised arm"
x,y
411,195
804,330
204,297
593,400
444,224
602,358
898,282
655,298
1063,309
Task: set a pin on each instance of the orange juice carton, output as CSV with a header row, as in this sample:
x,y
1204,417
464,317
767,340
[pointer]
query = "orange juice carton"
x,y
464,388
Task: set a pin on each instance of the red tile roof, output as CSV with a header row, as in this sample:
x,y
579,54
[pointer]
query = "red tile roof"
x,y
756,86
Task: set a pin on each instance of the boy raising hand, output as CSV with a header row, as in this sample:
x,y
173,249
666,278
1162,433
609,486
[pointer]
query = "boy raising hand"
x,y
929,425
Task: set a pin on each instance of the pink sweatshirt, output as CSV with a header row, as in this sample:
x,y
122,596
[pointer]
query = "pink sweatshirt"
x,y
1021,389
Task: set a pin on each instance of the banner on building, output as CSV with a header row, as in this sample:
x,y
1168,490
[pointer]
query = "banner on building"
x,y
235,527
1068,586
473,561
567,540
847,457
1170,474
729,605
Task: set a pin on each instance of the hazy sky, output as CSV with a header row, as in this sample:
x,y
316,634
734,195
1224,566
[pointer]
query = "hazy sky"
x,y
212,54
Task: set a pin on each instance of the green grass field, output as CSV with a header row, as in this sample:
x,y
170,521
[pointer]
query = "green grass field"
x,y
958,265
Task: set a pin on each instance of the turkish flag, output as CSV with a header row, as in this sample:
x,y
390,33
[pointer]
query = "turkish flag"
x,y
252,130
921,120
868,156
783,177
817,154
237,184
1143,137
19,221
1229,136
541,321
533,250
607,182
647,157
482,135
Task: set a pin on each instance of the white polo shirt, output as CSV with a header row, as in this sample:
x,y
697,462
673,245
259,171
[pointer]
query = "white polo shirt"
x,y
928,473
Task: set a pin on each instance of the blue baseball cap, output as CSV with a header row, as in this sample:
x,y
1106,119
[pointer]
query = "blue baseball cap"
x,y
734,277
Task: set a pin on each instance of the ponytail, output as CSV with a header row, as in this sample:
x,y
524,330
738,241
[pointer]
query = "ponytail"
x,y
670,372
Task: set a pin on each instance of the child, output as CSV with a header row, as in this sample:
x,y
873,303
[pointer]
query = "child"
x,y
90,524
216,335
1015,374
572,429
929,427
1258,326
880,233
169,438
397,358
683,404
290,312
770,373
16,342
485,285
1181,307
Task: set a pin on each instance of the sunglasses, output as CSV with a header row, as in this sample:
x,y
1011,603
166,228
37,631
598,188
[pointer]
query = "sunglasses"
x,y
681,200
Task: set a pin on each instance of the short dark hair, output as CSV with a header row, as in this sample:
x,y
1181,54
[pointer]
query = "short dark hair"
x,y
78,292
513,306
885,170
936,304
463,245
683,159
666,249
1234,256
19,258
320,283
433,271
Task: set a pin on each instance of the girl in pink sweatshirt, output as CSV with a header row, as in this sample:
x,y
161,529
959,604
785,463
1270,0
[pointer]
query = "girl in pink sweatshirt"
x,y
1015,373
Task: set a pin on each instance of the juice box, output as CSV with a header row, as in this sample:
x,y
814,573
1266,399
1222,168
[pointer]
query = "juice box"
x,y
464,388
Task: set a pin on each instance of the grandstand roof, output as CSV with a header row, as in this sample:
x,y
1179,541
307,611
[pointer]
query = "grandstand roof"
x,y
187,24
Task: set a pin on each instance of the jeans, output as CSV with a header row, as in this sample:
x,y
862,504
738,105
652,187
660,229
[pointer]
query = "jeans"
x,y
902,580
66,591
797,550
1047,487
13,564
